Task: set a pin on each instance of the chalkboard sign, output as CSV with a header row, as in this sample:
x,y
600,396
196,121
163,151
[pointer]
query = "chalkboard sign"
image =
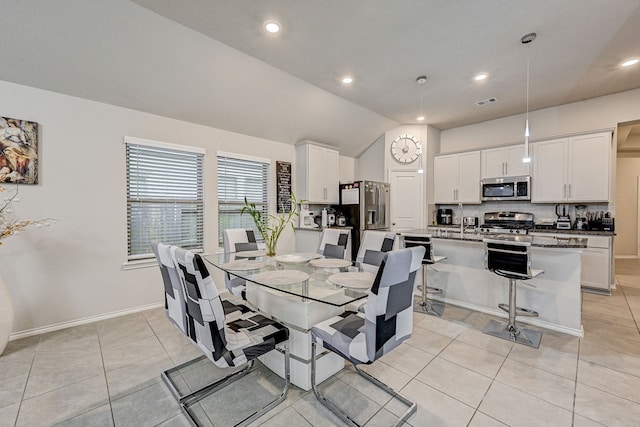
x,y
283,186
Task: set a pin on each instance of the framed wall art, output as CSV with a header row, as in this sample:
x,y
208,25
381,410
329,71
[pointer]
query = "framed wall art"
x,y
18,151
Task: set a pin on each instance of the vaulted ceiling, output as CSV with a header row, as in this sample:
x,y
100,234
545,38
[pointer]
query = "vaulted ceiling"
x,y
210,62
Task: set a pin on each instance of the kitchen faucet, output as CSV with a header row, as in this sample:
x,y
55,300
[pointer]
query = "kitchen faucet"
x,y
461,219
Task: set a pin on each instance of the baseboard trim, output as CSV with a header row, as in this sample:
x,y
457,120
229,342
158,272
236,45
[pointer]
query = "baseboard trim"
x,y
83,321
627,257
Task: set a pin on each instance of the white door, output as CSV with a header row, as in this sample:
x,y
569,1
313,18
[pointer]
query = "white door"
x,y
407,200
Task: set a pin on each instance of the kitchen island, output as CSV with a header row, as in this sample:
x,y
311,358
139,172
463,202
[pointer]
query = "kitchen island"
x,y
555,294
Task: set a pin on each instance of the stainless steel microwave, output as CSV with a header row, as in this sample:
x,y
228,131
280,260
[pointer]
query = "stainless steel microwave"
x,y
507,188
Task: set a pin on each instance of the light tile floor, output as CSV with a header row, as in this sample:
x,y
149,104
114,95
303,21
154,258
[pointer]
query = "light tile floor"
x,y
108,373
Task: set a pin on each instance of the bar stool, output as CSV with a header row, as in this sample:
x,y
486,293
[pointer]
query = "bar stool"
x,y
424,240
511,259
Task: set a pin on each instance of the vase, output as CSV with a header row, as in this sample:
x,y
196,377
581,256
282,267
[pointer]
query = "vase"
x,y
6,315
270,246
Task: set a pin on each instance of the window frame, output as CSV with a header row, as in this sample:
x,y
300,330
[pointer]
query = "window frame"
x,y
265,190
134,199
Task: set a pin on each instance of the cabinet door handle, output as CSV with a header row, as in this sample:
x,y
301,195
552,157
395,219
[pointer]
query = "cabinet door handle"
x,y
504,168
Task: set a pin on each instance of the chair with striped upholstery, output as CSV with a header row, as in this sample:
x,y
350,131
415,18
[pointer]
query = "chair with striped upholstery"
x,y
174,302
381,241
333,243
237,240
387,321
230,335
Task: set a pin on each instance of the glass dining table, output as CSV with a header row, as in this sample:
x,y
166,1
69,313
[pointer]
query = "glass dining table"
x,y
299,290
304,275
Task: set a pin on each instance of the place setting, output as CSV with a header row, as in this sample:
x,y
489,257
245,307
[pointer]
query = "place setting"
x,y
353,279
244,265
251,254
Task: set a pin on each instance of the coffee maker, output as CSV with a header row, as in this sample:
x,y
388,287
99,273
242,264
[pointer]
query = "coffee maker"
x,y
444,216
581,222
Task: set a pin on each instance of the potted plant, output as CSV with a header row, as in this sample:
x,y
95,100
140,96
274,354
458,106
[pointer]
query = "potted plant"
x,y
271,226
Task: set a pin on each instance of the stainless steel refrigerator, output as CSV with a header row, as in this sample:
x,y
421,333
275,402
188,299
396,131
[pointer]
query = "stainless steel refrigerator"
x,y
365,205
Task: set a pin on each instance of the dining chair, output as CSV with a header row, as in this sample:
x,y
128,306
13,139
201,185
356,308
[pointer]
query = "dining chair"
x,y
230,335
237,240
174,302
333,243
387,321
381,241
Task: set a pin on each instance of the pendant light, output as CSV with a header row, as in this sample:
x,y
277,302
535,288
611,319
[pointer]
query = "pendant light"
x,y
527,39
421,80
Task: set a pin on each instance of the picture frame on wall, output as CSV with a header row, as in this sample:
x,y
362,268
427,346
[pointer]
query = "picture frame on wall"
x,y
18,151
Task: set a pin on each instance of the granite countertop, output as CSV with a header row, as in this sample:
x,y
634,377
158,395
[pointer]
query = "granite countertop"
x,y
587,233
577,232
536,241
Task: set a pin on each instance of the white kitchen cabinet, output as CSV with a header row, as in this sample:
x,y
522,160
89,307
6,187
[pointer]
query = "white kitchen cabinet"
x,y
503,161
597,261
457,178
317,173
574,169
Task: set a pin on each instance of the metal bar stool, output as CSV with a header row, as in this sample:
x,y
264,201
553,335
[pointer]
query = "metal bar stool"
x,y
430,307
511,259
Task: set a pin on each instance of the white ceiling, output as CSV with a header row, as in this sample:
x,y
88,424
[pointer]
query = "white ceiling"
x,y
230,75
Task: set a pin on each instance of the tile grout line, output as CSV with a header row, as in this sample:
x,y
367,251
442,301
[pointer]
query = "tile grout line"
x,y
493,380
106,381
24,390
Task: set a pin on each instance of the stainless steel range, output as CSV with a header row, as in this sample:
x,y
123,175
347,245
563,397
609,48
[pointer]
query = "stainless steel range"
x,y
507,222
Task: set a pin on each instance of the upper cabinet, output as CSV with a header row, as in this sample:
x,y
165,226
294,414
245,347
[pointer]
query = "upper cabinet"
x,y
503,161
574,169
457,178
317,173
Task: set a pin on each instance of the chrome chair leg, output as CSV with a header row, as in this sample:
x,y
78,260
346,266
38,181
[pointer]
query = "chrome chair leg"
x,y
429,307
196,397
342,415
510,331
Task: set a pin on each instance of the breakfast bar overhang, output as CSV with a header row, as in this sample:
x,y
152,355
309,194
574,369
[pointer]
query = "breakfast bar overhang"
x,y
465,282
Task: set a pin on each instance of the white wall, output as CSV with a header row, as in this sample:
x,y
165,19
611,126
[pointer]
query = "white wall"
x,y
347,169
370,164
73,270
591,115
627,175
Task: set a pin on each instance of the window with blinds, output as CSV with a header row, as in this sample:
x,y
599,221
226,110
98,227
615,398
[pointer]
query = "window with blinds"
x,y
165,197
239,178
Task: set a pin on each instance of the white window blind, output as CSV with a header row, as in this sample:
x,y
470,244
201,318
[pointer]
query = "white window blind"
x,y
237,179
165,198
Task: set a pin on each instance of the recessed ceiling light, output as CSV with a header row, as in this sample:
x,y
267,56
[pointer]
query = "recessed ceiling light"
x,y
630,62
272,26
420,118
480,76
347,80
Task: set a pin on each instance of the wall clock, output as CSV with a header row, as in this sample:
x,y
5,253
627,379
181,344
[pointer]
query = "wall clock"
x,y
406,149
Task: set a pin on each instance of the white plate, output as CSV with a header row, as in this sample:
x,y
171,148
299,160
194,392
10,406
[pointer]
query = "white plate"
x,y
292,259
244,265
250,254
353,279
280,277
330,263
310,255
